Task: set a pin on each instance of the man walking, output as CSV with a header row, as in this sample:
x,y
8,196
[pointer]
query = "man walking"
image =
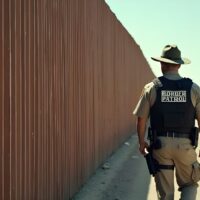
x,y
173,104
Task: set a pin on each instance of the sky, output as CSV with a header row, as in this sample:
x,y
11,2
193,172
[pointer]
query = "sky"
x,y
156,23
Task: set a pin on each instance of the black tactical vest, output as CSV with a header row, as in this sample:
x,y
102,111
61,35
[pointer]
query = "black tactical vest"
x,y
173,109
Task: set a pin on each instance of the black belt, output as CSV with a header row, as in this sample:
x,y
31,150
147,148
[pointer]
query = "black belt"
x,y
173,134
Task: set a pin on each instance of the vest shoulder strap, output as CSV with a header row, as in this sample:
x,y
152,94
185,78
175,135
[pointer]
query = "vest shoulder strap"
x,y
187,83
188,80
157,83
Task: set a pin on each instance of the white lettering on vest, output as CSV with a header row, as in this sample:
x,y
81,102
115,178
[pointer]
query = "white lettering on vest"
x,y
173,96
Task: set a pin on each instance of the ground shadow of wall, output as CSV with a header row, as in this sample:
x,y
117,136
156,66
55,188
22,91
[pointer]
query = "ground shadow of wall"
x,y
123,177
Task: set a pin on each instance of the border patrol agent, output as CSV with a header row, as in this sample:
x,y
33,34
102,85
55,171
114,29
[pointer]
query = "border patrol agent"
x,y
172,103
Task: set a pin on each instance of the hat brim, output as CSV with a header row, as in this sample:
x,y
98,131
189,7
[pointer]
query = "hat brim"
x,y
166,60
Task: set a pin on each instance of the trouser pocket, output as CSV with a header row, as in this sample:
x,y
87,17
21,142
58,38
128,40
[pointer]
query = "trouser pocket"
x,y
196,171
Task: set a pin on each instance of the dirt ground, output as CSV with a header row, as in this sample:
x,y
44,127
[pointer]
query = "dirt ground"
x,y
124,176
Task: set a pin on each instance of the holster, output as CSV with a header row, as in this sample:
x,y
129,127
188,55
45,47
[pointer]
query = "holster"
x,y
155,143
194,137
151,163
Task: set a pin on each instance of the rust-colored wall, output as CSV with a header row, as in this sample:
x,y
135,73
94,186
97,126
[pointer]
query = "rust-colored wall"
x,y
70,75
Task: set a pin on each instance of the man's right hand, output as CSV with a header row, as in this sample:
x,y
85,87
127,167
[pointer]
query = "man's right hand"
x,y
143,147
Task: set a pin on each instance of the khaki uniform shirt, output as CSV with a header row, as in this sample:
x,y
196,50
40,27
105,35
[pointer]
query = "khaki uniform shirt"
x,y
148,97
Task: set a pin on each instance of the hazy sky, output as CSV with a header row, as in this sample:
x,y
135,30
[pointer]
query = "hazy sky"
x,y
155,23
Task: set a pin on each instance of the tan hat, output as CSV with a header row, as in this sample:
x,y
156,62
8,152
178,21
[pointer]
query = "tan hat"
x,y
171,54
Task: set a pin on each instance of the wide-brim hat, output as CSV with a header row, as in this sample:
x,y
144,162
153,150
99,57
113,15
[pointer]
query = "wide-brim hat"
x,y
171,54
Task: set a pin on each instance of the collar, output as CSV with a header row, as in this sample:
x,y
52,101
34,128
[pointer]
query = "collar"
x,y
172,75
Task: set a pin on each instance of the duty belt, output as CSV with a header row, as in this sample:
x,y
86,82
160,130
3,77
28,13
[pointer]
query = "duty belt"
x,y
173,134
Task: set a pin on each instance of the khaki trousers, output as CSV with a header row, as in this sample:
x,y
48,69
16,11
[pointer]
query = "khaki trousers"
x,y
180,153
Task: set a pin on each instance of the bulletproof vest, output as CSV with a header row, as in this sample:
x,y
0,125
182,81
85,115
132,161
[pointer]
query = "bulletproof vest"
x,y
173,109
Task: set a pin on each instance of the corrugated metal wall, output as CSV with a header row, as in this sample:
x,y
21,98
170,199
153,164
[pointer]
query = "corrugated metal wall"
x,y
70,76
